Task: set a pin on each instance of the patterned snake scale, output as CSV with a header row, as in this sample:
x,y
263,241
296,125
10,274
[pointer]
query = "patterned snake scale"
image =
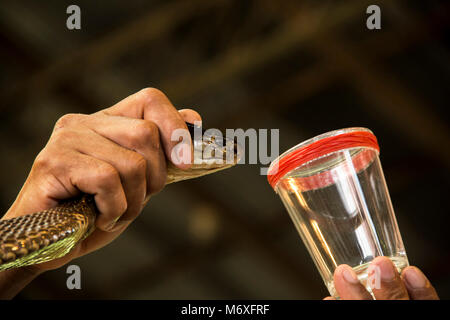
x,y
50,234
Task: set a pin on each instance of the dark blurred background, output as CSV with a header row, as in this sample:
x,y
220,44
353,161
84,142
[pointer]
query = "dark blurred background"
x,y
305,67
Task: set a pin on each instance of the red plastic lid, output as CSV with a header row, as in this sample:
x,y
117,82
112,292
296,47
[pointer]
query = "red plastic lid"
x,y
318,147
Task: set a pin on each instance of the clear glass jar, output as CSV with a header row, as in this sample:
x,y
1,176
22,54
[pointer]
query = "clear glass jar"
x,y
334,190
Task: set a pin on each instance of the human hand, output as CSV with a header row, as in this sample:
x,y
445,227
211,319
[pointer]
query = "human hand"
x,y
117,154
410,285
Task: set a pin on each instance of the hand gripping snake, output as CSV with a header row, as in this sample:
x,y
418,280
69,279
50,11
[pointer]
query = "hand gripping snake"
x,y
50,234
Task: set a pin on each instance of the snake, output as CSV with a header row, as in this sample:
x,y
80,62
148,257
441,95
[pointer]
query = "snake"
x,y
50,234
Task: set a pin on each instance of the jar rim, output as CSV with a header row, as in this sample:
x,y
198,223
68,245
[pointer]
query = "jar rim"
x,y
319,146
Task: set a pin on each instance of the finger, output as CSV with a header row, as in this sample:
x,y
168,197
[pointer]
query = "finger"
x,y
130,165
385,280
152,104
419,288
81,173
190,115
347,284
141,136
329,298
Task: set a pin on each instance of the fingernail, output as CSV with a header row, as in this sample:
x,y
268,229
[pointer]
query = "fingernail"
x,y
350,275
383,268
415,278
111,226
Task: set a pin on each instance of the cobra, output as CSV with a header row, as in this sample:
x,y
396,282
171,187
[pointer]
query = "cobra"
x,y
51,234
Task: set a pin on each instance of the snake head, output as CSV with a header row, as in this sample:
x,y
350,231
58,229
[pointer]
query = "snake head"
x,y
212,153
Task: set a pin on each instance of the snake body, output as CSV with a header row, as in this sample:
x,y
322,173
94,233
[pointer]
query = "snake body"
x,y
51,234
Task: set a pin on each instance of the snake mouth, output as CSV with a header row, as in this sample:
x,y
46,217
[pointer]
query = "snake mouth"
x,y
210,151
210,155
211,148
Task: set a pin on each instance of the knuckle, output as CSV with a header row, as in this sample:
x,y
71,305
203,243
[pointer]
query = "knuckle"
x,y
62,135
149,96
51,160
68,120
146,134
136,165
150,92
42,161
107,175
